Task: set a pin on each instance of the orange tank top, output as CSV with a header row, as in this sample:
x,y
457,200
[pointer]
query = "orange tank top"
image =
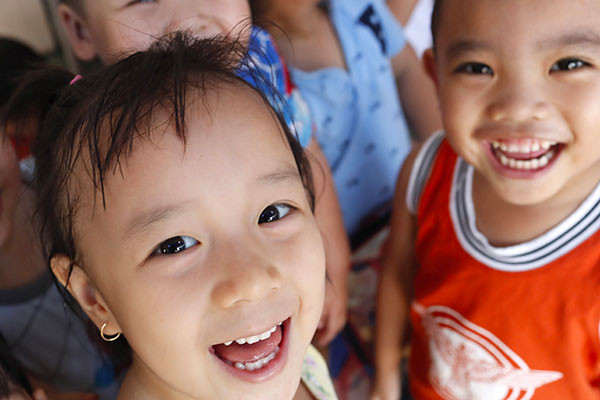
x,y
491,323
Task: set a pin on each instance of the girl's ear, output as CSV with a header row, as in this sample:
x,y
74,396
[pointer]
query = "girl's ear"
x,y
78,33
84,291
429,66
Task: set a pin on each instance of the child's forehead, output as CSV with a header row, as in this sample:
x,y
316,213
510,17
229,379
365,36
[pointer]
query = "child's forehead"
x,y
516,22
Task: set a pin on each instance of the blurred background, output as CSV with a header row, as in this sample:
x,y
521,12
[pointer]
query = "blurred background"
x,y
33,23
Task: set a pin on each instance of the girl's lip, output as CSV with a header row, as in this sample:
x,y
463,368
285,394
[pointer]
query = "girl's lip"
x,y
520,173
268,371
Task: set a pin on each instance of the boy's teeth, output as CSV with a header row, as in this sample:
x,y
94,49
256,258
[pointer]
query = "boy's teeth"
x,y
251,366
535,163
253,339
524,148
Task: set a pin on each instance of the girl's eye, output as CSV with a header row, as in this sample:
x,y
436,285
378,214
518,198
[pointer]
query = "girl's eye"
x,y
175,245
568,64
475,68
273,213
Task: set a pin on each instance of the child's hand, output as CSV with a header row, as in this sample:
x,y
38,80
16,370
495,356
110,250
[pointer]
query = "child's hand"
x,y
388,387
333,318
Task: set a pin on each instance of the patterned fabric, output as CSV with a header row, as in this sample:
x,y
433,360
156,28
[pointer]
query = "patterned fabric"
x,y
315,375
516,322
52,343
360,124
265,60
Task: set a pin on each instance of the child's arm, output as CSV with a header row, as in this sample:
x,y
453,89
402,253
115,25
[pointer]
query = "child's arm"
x,y
394,292
337,246
417,94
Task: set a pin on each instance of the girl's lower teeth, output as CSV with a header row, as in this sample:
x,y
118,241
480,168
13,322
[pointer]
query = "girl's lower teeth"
x,y
532,164
251,366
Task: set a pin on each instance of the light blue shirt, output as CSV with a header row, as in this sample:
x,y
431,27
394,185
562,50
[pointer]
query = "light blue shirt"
x,y
360,124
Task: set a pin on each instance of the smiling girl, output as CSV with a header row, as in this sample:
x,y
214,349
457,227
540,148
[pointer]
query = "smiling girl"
x,y
178,209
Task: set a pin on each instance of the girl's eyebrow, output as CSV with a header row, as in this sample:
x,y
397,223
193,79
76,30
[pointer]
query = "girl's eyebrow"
x,y
145,219
280,176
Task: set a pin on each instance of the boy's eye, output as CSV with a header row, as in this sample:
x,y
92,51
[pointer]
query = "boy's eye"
x,y
568,64
175,245
273,213
475,68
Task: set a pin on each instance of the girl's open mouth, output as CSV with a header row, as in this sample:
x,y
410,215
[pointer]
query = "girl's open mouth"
x,y
258,357
524,157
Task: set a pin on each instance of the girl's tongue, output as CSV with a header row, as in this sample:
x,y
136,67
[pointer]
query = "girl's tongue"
x,y
244,353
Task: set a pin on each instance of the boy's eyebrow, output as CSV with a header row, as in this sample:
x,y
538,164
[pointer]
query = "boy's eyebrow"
x,y
582,37
466,46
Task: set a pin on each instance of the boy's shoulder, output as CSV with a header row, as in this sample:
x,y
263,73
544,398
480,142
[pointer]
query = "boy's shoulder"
x,y
420,171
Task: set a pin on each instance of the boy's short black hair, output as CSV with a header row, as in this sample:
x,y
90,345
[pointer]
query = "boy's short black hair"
x,y
435,19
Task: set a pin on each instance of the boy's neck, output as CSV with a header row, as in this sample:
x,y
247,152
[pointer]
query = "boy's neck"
x,y
507,224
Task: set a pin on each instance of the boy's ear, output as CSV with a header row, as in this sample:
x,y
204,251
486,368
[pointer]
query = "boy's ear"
x,y
84,291
78,32
429,66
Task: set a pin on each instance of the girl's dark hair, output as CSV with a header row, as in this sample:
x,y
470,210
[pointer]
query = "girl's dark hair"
x,y
97,119
11,374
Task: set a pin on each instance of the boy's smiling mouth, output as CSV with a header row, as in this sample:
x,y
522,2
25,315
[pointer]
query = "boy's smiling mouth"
x,y
524,155
256,357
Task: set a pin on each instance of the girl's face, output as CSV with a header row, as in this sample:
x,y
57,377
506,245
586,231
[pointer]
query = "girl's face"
x,y
204,245
111,28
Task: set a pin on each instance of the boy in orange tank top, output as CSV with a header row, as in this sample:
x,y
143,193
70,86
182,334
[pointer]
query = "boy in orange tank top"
x,y
494,252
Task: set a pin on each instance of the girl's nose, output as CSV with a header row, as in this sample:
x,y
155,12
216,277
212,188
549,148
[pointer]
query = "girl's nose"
x,y
244,280
518,102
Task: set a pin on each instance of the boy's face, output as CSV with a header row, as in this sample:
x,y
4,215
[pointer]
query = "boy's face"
x,y
112,28
205,245
519,89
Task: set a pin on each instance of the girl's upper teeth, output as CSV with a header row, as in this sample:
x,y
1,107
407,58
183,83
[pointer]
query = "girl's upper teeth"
x,y
253,339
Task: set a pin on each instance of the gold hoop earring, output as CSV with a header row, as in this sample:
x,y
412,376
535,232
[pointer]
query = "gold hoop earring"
x,y
108,339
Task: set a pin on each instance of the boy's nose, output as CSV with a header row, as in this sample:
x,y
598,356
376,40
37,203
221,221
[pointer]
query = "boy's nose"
x,y
244,278
518,102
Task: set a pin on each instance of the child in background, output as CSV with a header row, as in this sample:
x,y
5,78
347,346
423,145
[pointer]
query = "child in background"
x,y
178,212
49,341
349,59
494,250
110,29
